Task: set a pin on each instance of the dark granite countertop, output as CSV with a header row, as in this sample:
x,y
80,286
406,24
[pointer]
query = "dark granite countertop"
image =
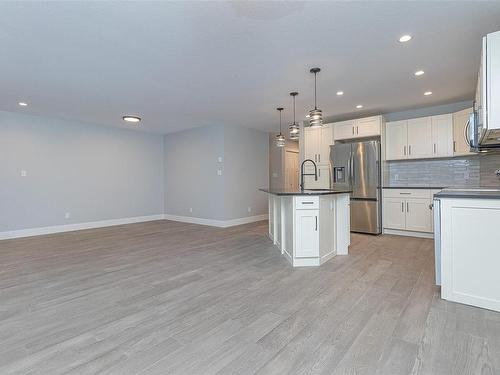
x,y
305,192
413,187
477,193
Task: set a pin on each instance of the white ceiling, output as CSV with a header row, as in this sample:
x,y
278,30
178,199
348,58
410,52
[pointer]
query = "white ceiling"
x,y
185,64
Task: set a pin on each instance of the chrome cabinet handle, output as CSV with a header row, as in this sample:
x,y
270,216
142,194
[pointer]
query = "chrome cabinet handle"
x,y
319,158
407,207
404,193
316,223
319,172
402,206
404,150
454,146
434,148
357,129
307,202
353,130
409,149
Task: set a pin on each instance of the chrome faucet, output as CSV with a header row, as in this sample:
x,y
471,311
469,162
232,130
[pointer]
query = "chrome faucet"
x,y
302,174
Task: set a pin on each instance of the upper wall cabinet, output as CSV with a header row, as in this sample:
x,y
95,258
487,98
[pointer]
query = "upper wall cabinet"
x,y
317,143
420,138
460,119
359,128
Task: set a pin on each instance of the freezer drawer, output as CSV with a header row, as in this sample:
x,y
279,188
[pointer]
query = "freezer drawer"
x,y
365,216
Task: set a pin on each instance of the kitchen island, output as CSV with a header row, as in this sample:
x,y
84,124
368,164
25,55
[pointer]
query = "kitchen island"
x,y
466,246
309,226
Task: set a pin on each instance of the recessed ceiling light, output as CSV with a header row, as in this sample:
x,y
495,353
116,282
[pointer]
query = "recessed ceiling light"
x,y
405,38
131,118
340,93
427,93
419,73
359,106
23,104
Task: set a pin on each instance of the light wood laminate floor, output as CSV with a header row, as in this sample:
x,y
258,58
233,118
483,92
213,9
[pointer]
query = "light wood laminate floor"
x,y
172,298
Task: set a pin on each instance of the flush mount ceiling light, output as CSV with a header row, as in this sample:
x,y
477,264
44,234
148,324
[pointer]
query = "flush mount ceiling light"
x,y
340,93
129,118
23,104
359,106
315,115
294,126
427,93
405,38
419,73
280,138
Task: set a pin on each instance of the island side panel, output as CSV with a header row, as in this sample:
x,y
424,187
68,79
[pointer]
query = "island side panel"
x,y
327,230
270,200
287,220
343,223
469,252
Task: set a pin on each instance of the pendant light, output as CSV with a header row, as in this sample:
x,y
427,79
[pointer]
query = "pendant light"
x,y
294,127
280,138
315,115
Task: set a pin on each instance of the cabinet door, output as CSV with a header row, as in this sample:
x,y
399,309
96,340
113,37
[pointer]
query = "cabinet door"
x,y
395,140
311,143
306,233
344,130
460,146
418,215
420,138
394,213
323,181
326,139
368,127
442,135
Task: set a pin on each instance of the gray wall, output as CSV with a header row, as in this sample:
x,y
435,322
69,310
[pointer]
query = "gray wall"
x,y
93,172
245,171
191,179
428,111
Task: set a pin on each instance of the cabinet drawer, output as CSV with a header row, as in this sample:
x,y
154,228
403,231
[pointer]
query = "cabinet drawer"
x,y
407,193
307,203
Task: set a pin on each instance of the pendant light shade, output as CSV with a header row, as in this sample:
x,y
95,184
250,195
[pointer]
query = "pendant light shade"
x,y
280,138
294,127
315,115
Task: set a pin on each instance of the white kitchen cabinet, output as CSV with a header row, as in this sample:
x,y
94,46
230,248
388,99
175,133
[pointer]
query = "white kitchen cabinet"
x,y
307,234
317,143
419,138
344,130
418,215
323,181
460,119
442,135
396,140
358,128
368,126
407,210
394,213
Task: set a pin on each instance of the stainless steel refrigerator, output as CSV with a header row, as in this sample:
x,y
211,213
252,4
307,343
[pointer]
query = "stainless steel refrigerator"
x,y
357,166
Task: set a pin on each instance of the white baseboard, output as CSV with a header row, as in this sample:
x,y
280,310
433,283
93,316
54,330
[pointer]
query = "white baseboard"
x,y
408,233
216,223
78,226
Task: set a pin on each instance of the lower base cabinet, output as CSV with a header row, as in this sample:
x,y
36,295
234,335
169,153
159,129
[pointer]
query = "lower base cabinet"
x,y
307,234
408,210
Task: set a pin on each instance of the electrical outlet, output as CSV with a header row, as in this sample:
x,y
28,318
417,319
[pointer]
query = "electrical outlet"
x,y
396,177
249,209
67,215
23,173
191,209
219,159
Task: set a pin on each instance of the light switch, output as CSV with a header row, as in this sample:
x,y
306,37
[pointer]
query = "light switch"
x,y
219,159
219,172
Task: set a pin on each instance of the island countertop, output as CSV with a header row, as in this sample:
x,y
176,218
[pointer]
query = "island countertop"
x,y
478,193
305,192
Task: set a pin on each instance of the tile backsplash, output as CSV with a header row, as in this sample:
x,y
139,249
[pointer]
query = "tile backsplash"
x,y
467,171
